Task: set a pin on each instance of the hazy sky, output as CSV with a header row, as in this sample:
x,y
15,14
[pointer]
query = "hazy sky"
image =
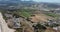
x,y
53,1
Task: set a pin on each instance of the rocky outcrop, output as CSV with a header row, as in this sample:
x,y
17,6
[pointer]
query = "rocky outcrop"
x,y
3,25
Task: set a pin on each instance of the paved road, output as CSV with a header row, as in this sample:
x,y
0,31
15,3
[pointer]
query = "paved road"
x,y
3,25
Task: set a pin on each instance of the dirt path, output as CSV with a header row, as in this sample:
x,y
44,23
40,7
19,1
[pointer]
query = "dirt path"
x,y
3,25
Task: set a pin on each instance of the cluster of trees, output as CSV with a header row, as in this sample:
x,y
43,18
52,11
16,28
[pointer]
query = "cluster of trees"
x,y
39,28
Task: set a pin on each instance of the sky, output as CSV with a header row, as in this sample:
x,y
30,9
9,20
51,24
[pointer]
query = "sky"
x,y
52,1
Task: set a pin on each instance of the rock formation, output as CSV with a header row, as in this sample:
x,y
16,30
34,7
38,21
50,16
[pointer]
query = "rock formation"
x,y
3,25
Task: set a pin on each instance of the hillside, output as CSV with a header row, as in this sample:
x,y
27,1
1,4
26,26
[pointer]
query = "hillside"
x,y
3,25
29,16
40,18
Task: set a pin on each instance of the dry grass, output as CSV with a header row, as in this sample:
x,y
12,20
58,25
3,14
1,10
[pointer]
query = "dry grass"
x,y
40,17
26,27
50,30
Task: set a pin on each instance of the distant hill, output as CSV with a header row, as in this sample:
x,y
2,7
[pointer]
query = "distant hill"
x,y
16,4
50,5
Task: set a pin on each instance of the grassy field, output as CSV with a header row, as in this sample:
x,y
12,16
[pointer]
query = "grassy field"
x,y
52,15
23,13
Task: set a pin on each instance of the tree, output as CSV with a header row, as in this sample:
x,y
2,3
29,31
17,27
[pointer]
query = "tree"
x,y
39,28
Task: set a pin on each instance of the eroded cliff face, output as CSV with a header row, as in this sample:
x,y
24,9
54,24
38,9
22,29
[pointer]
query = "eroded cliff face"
x,y
3,25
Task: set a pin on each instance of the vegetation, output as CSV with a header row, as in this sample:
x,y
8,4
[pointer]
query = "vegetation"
x,y
52,25
19,30
39,28
2,11
52,15
23,13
